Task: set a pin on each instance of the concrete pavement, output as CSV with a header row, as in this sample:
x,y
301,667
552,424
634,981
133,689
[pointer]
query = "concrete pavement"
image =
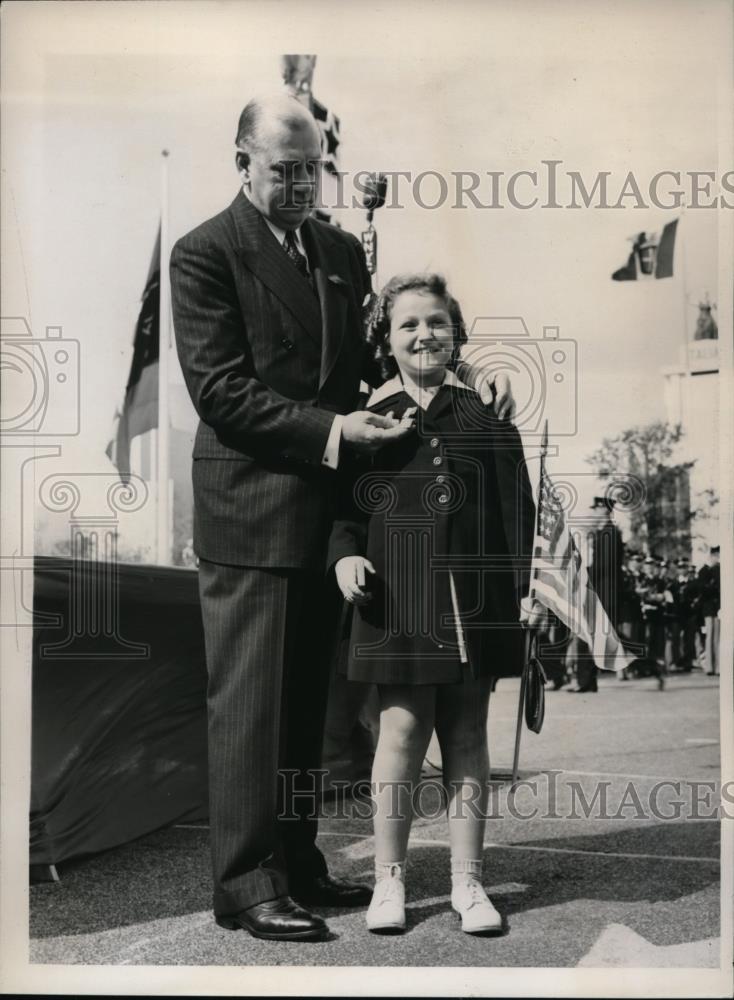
x,y
581,859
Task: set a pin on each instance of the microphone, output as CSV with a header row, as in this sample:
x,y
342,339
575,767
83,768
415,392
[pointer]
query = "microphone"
x,y
375,190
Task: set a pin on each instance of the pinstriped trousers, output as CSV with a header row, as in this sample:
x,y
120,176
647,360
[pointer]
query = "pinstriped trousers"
x,y
267,634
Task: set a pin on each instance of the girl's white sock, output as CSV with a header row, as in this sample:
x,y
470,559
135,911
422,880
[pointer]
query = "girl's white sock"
x,y
389,869
463,871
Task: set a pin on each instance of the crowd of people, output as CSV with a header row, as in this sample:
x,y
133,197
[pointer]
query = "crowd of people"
x,y
666,612
672,610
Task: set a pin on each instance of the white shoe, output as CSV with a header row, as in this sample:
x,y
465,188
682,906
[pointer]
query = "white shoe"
x,y
386,912
471,902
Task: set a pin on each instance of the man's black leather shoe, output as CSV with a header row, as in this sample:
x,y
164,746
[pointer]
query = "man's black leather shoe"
x,y
277,920
323,890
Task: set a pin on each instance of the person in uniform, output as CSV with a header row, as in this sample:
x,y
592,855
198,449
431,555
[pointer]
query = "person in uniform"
x,y
671,614
631,627
552,648
709,578
433,550
651,589
605,563
689,604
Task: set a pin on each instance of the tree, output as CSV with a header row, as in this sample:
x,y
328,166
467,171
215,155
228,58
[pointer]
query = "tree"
x,y
648,485
705,510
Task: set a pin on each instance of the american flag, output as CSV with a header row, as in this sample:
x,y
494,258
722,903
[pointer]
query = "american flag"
x,y
559,581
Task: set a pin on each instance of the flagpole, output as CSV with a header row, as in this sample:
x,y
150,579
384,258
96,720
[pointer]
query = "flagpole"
x,y
163,554
528,630
685,405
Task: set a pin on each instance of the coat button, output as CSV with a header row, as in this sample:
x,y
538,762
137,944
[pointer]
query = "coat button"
x,y
443,498
440,479
435,442
437,460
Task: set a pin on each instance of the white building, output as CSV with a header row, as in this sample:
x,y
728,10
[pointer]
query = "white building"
x,y
691,391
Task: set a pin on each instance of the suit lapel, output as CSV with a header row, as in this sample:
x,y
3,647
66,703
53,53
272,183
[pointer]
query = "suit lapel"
x,y
329,270
262,254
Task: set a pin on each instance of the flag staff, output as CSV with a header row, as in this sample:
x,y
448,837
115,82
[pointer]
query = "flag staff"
x,y
528,630
685,400
163,518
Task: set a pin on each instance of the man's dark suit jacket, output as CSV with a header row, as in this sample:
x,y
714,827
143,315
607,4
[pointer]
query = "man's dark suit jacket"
x,y
267,360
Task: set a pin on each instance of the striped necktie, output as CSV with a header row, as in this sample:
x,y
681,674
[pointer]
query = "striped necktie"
x,y
291,248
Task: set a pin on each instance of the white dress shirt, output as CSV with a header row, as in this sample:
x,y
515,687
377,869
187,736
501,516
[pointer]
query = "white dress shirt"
x,y
280,235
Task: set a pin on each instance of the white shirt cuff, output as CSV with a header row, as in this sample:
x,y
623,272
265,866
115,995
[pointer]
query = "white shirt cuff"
x,y
331,454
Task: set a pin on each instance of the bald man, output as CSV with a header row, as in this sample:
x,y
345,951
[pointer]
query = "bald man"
x,y
268,313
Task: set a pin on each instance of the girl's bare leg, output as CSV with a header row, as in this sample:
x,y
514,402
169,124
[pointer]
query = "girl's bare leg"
x,y
406,725
461,727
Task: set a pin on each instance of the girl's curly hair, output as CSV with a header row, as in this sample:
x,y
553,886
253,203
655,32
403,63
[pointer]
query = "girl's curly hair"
x,y
378,318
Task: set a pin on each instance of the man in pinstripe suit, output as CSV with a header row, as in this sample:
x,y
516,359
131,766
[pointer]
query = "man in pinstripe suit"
x,y
267,306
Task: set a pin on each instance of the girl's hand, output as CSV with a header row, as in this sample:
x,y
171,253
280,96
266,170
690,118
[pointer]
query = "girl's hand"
x,y
350,575
533,614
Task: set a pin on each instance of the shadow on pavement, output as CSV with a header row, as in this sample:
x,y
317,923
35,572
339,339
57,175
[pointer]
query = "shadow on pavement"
x,y
166,875
688,838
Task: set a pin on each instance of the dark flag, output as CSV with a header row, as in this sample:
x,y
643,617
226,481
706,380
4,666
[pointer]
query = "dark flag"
x,y
666,249
650,254
628,272
330,138
140,408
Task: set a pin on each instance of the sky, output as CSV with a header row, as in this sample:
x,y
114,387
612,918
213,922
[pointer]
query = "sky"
x,y
93,93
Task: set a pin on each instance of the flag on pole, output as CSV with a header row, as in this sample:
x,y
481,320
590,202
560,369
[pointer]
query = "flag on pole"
x,y
559,581
629,271
666,251
140,407
650,255
329,127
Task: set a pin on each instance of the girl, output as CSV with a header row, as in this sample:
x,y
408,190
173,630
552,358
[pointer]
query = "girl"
x,y
432,549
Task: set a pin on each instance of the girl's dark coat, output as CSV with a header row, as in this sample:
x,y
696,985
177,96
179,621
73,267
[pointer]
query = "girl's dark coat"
x,y
453,494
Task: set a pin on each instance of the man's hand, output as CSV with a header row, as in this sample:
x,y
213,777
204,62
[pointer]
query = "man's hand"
x,y
496,389
533,614
504,402
350,575
493,388
368,432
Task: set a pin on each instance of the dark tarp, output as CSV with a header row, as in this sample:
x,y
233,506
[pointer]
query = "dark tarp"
x,y
119,730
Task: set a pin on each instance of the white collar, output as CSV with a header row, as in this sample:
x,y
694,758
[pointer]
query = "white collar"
x,y
420,396
279,233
